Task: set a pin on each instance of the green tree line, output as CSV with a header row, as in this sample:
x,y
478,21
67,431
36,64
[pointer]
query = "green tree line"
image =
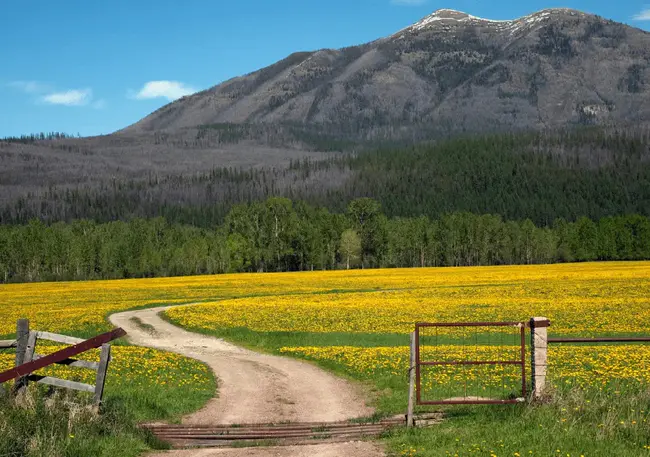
x,y
281,235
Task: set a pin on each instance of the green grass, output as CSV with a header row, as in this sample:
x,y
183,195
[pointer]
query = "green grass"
x,y
59,424
143,325
273,341
574,422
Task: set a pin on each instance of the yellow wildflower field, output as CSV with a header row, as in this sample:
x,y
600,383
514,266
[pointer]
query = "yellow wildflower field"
x,y
592,299
580,299
598,297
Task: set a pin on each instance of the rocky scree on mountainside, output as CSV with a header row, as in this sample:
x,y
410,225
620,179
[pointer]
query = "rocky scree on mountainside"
x,y
450,72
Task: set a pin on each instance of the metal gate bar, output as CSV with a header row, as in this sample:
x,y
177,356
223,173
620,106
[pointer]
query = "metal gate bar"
x,y
622,339
419,362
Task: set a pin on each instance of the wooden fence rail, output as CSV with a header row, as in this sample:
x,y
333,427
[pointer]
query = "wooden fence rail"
x,y
7,344
28,360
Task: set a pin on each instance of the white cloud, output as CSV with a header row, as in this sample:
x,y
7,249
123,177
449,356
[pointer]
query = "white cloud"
x,y
45,93
77,97
644,15
408,2
30,87
171,90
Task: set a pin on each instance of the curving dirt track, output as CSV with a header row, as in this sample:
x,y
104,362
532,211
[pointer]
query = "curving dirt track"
x,y
256,388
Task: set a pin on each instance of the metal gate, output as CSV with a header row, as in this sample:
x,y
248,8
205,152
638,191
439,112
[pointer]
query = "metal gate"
x,y
475,346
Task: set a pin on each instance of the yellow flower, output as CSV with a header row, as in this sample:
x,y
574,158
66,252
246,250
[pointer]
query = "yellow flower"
x,y
578,298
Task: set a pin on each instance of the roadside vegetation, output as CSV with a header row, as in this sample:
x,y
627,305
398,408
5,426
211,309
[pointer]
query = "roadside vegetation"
x,y
142,385
574,422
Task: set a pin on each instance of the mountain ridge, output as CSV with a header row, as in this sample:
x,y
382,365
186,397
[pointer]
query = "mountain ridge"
x,y
450,71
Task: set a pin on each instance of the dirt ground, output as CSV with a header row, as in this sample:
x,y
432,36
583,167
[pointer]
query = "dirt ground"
x,y
352,449
256,388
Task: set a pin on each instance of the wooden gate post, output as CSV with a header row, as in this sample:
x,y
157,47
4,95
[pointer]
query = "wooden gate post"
x,y
538,354
410,422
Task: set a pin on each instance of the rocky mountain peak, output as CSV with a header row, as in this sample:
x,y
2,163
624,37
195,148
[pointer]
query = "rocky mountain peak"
x,y
450,14
445,16
449,71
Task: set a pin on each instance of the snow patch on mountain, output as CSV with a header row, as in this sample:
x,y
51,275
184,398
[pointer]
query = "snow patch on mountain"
x,y
448,16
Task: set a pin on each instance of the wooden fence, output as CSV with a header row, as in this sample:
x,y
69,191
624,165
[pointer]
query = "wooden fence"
x,y
28,360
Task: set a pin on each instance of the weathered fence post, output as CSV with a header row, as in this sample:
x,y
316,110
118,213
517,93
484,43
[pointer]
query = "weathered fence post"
x,y
22,333
538,354
27,356
410,422
104,359
22,336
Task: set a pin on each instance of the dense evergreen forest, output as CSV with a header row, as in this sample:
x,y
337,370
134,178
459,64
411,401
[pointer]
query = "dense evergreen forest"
x,y
281,235
578,173
592,172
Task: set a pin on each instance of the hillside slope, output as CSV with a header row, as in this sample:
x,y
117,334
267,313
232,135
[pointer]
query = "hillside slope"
x,y
593,172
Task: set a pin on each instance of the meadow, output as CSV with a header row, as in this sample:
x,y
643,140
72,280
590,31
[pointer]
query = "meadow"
x,y
357,323
564,291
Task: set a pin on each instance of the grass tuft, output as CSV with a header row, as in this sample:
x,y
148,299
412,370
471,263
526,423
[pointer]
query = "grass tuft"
x,y
143,325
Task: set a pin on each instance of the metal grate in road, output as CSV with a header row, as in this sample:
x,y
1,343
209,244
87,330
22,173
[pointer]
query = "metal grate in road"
x,y
192,436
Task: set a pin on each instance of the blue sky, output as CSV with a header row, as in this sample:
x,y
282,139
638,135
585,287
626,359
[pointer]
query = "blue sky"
x,y
93,67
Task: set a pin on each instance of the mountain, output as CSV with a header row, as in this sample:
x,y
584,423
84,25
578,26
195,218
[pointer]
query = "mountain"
x,y
449,72
332,125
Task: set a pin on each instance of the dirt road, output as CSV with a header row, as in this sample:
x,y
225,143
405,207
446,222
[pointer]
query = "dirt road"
x,y
256,388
